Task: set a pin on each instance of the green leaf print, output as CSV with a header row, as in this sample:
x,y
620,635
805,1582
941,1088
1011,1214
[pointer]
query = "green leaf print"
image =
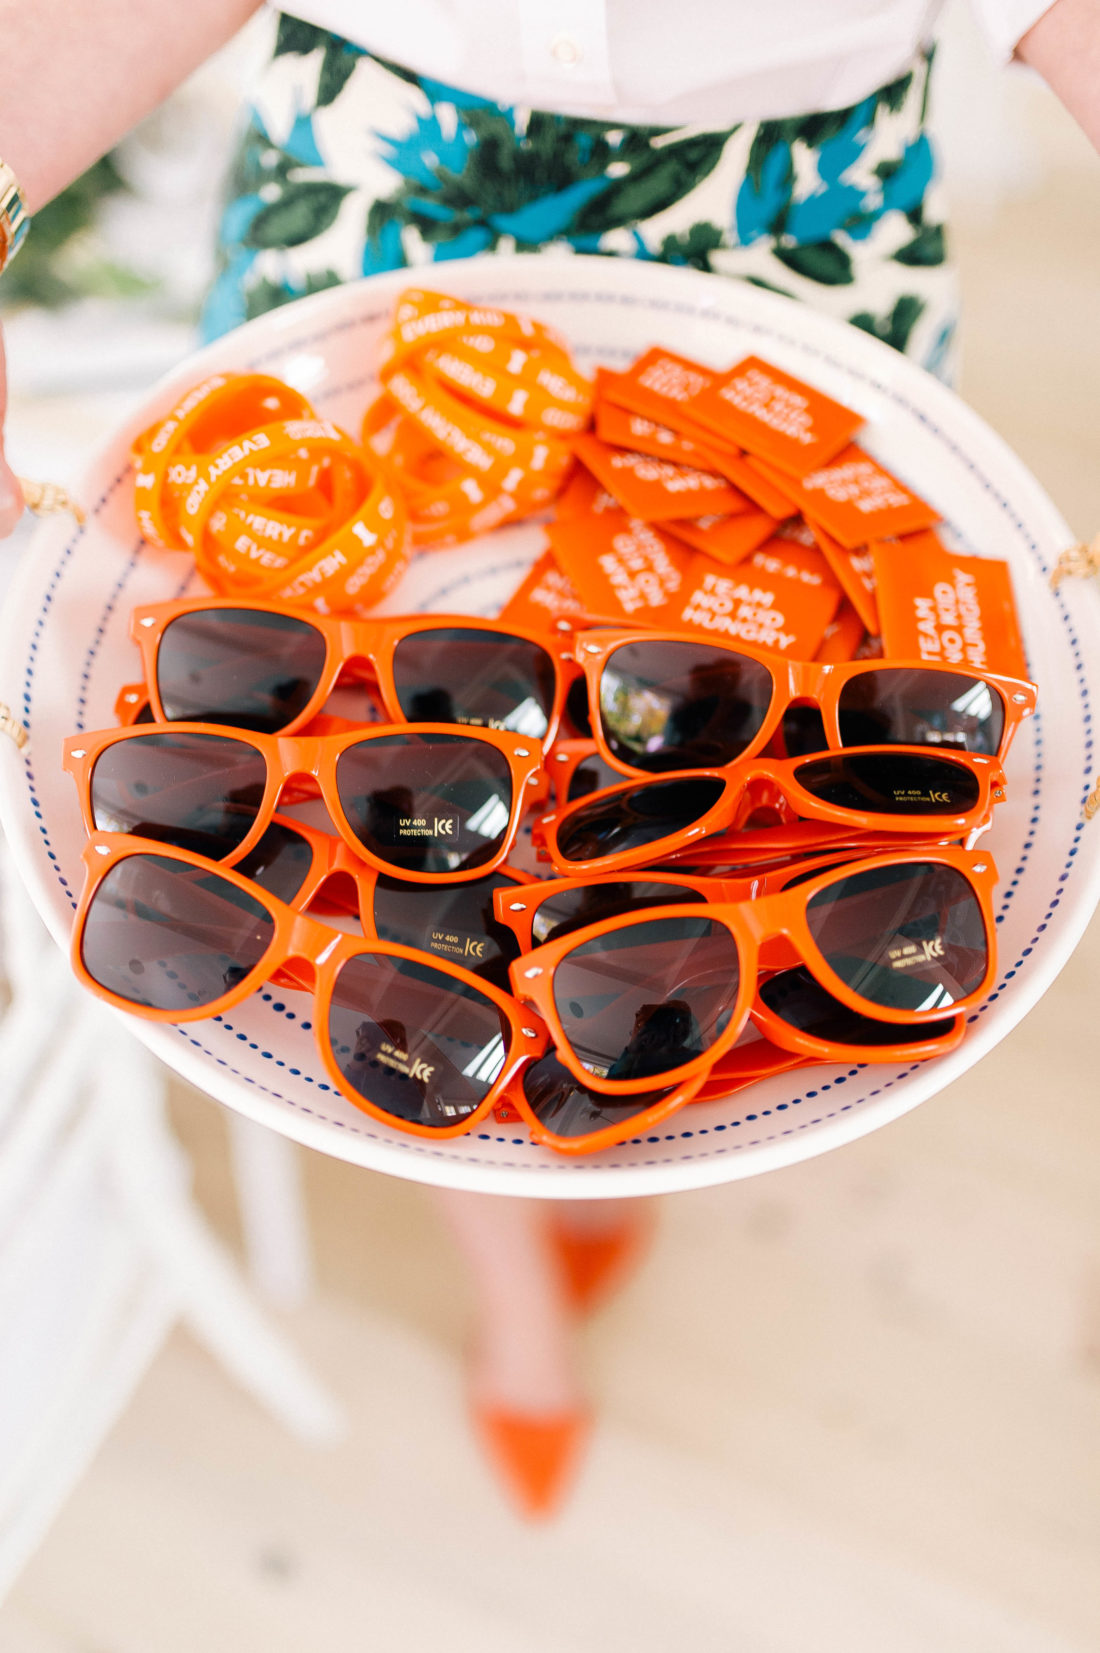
x,y
298,39
821,261
303,211
694,247
337,68
894,95
268,295
927,247
894,328
653,184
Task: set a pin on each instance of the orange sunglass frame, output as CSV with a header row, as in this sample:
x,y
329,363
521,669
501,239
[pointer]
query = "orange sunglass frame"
x,y
752,925
793,681
742,849
518,909
757,782
357,644
290,757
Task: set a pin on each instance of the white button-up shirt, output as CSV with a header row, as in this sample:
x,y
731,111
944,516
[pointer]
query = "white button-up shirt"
x,y
660,62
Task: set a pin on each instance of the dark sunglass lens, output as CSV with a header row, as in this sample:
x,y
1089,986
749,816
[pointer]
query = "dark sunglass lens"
x,y
568,910
454,921
280,862
908,706
427,803
796,998
200,792
169,936
648,998
890,783
681,705
567,1109
456,674
590,776
576,708
635,817
238,666
414,1042
904,937
803,731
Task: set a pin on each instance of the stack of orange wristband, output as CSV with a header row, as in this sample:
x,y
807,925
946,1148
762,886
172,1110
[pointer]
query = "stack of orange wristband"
x,y
271,501
476,416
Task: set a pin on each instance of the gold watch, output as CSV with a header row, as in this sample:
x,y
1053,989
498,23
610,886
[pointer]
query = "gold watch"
x,y
14,217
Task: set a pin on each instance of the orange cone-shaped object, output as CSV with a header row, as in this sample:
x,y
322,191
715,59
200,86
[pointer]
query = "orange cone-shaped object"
x,y
534,1456
596,1262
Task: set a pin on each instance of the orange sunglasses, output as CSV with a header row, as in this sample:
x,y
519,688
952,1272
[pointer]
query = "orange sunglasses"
x,y
256,665
425,802
887,789
790,1008
670,701
906,938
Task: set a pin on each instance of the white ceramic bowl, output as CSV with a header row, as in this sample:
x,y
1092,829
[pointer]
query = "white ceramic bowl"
x,y
66,651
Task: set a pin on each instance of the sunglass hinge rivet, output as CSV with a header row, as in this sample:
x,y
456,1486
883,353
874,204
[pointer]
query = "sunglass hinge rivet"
x,y
147,620
981,867
131,699
78,752
522,752
561,757
1020,699
591,648
102,849
529,1033
532,780
535,970
517,907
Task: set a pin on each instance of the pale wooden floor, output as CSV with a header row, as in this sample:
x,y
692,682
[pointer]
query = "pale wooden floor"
x,y
852,1407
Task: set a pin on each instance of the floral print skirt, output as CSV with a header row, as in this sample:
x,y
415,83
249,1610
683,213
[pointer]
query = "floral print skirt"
x,y
348,165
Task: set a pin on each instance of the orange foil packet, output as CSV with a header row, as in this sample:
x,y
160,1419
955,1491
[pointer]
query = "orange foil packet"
x,y
856,572
855,499
770,413
729,539
843,635
656,489
663,386
620,566
544,598
938,606
584,497
633,430
660,385
775,599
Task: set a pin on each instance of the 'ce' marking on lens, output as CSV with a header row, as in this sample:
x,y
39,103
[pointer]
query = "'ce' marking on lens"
x,y
444,828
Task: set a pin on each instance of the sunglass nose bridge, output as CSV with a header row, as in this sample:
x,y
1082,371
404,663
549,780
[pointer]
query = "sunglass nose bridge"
x,y
300,756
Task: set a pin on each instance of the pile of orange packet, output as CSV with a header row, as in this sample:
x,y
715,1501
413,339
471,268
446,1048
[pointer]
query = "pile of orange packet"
x,y
740,504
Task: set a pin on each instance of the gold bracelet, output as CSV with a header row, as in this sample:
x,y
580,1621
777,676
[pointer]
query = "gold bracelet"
x,y
14,217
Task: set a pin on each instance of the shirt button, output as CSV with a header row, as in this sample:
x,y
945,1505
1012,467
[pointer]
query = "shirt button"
x,y
565,50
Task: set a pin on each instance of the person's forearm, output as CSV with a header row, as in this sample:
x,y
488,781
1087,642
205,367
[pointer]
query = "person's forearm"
x,y
1064,46
75,75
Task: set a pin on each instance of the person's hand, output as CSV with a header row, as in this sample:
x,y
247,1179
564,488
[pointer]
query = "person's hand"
x,y
11,495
